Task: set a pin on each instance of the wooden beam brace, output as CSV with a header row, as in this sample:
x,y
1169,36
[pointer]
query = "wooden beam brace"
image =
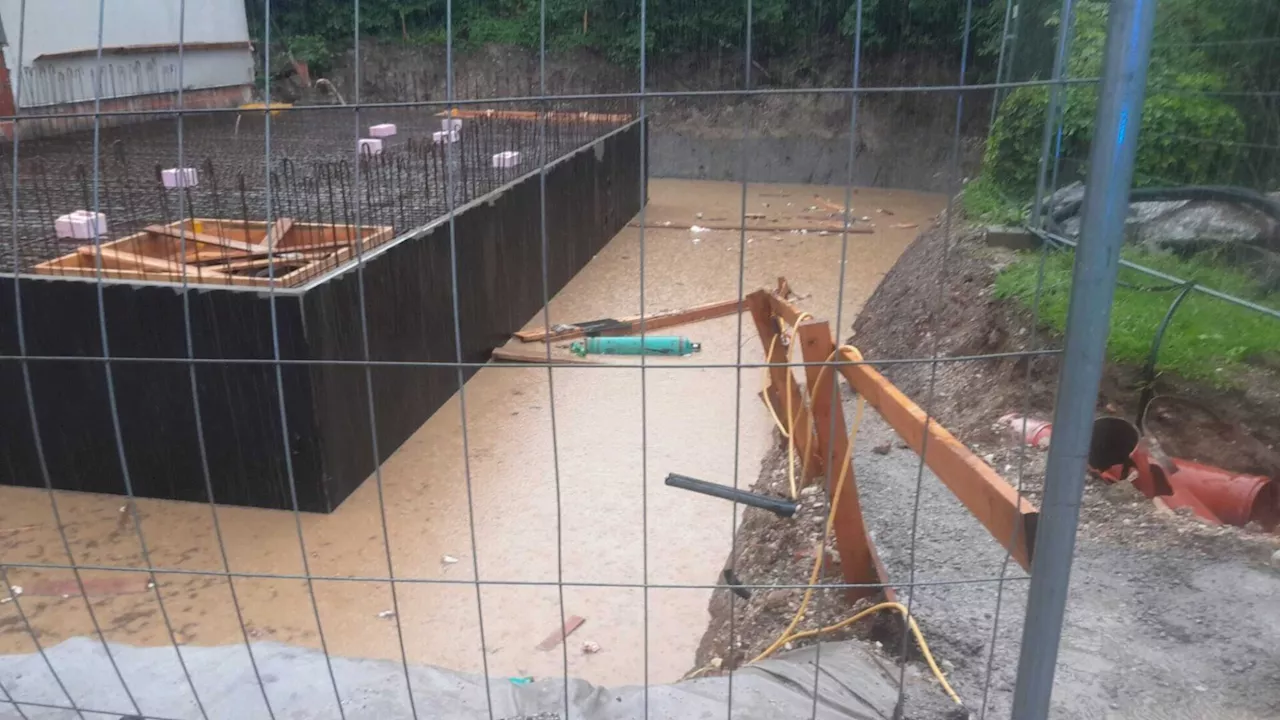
x,y
830,228
180,232
859,562
991,499
783,382
129,261
517,355
631,324
535,115
275,235
1011,520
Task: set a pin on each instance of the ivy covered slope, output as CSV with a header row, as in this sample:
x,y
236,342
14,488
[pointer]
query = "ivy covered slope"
x,y
313,29
1189,122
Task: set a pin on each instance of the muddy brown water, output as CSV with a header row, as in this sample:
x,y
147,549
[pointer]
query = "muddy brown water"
x,y
599,479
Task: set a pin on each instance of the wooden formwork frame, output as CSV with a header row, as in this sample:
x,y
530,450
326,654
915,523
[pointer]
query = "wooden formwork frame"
x,y
1010,519
549,116
222,256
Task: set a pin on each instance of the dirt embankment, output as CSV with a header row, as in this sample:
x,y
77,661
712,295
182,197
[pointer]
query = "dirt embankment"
x,y
1237,429
1145,635
903,140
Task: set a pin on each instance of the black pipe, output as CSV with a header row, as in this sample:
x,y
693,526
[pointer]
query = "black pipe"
x,y
1205,193
777,506
1149,370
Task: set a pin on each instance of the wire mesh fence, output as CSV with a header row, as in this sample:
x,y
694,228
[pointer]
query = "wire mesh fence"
x,y
265,459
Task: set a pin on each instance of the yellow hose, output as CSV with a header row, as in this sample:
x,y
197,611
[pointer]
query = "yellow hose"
x,y
915,630
786,429
787,635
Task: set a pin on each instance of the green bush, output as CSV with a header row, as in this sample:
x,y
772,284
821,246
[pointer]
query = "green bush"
x,y
1170,149
1176,118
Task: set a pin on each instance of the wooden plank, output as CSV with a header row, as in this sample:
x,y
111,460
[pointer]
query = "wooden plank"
x,y
275,236
991,499
207,277
317,250
280,258
180,232
368,243
782,381
859,562
516,355
535,115
573,622
128,260
631,324
830,228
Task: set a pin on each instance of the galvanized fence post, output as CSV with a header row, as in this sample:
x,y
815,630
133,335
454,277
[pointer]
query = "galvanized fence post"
x,y
1106,205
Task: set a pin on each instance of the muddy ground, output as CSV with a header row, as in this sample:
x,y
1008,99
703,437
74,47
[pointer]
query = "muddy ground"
x,y
1167,618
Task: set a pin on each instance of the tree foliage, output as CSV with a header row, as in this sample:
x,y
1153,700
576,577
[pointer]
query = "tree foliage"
x,y
1201,101
612,27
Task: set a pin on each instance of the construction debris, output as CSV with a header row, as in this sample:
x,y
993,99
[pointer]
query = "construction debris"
x,y
1032,431
515,355
631,324
225,252
803,229
557,636
537,115
590,648
1119,451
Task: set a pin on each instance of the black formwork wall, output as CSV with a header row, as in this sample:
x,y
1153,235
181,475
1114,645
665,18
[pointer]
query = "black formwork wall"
x,y
408,301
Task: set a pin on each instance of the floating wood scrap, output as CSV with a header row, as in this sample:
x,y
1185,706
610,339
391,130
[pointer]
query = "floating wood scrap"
x,y
827,228
631,324
217,251
552,116
513,355
573,622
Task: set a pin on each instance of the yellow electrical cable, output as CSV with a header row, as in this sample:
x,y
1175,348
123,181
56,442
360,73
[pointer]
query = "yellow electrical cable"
x,y
787,635
786,429
915,630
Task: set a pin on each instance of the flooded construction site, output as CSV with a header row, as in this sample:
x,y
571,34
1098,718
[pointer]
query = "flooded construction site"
x,y
585,506
526,362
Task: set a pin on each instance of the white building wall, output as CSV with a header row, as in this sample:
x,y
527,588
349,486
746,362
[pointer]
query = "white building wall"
x,y
54,27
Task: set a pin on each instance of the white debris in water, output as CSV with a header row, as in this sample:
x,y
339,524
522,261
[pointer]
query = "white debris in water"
x,y
698,215
448,560
697,229
387,614
590,648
